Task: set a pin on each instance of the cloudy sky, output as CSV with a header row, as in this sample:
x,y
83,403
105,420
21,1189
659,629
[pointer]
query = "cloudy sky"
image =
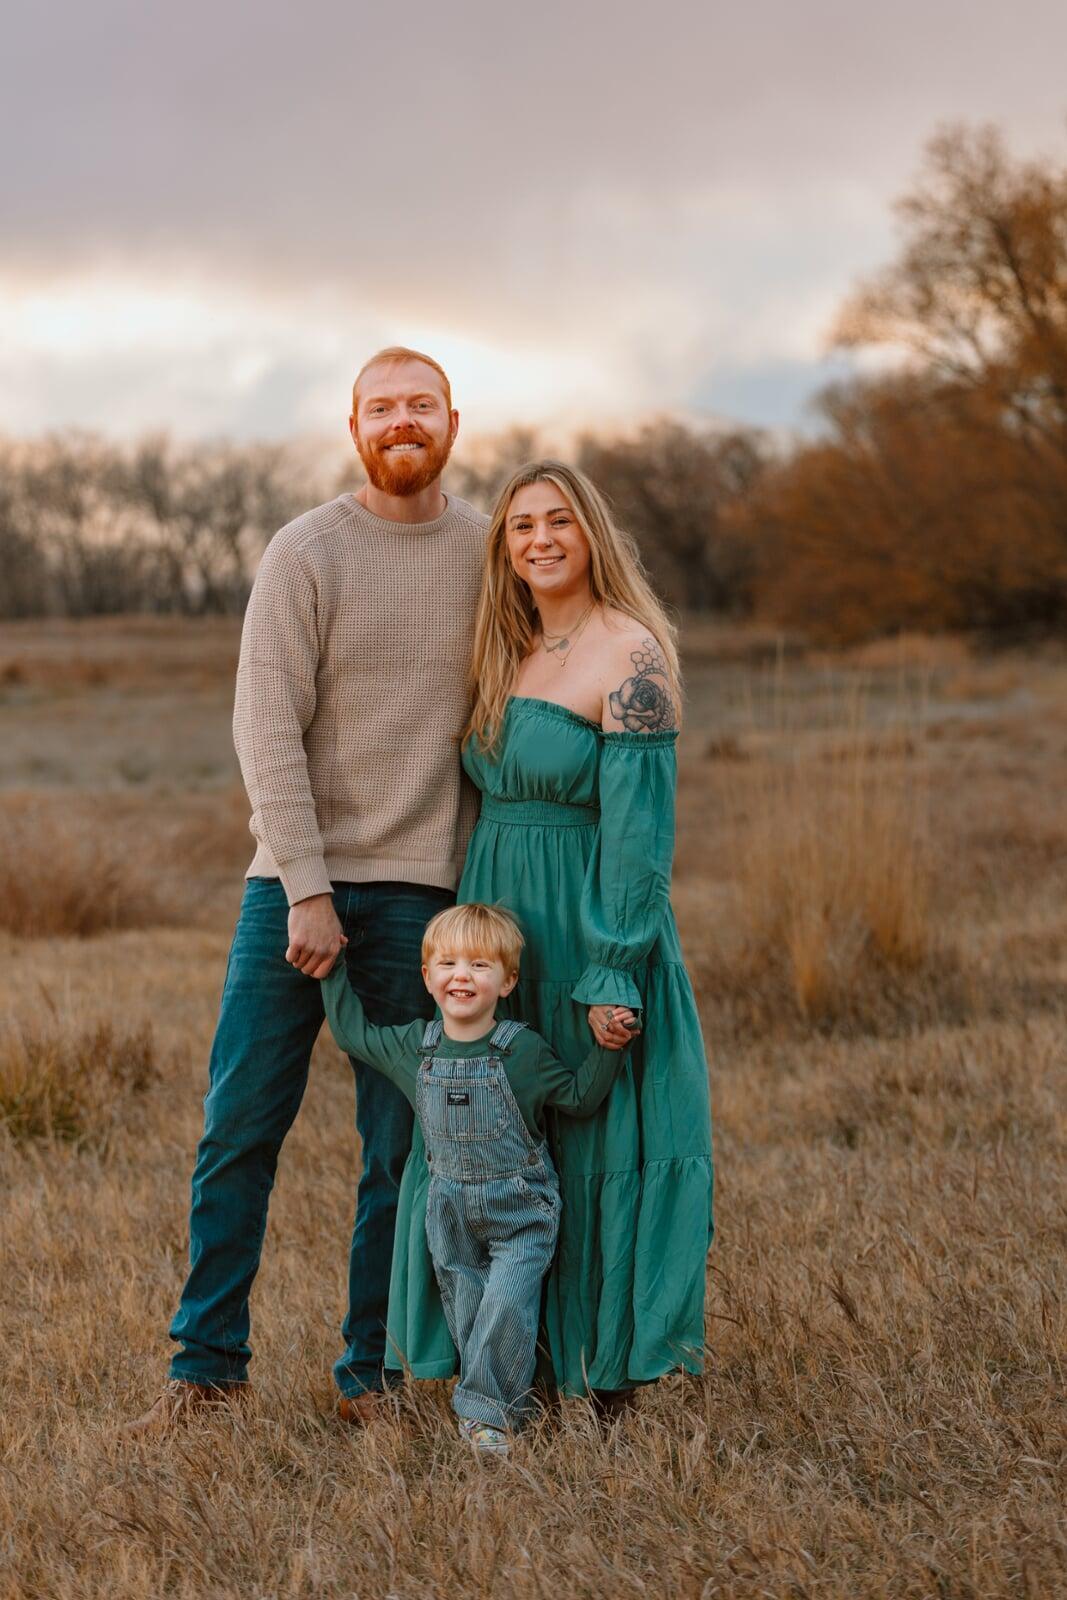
x,y
589,211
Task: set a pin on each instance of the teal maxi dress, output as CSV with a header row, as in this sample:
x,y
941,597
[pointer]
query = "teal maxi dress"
x,y
575,837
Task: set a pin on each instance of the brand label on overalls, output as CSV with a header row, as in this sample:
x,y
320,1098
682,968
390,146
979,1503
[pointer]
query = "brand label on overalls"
x,y
458,1098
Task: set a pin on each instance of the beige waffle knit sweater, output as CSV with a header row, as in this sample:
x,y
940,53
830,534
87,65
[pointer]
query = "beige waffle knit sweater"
x,y
351,696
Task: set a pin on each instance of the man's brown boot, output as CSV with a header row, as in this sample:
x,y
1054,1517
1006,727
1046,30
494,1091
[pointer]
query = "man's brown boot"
x,y
181,1401
373,1405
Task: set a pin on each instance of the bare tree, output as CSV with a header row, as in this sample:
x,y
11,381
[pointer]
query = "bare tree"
x,y
479,471
677,490
978,294
90,527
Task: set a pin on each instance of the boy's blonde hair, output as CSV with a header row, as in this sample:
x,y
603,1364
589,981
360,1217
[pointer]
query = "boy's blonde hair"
x,y
476,930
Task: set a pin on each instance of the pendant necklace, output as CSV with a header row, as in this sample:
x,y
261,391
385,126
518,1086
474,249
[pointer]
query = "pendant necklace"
x,y
563,643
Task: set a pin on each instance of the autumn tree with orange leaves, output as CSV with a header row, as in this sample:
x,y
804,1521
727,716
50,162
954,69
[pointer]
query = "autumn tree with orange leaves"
x,y
938,497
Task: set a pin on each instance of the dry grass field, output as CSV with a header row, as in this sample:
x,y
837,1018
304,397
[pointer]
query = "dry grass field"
x,y
872,888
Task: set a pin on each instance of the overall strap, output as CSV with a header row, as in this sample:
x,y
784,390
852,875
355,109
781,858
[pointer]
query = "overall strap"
x,y
504,1035
431,1038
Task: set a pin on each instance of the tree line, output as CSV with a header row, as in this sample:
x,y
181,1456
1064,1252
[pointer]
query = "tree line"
x,y
89,527
932,495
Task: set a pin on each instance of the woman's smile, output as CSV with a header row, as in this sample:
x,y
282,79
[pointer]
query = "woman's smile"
x,y
546,544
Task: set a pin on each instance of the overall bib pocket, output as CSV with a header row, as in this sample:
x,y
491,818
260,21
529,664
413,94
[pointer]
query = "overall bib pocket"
x,y
462,1108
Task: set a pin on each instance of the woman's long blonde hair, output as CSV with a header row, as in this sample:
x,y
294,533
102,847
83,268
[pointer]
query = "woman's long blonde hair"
x,y
507,617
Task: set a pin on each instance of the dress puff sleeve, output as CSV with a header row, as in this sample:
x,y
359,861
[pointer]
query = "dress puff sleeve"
x,y
627,884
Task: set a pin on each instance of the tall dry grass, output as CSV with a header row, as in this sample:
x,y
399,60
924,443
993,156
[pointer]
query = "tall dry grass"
x,y
832,865
835,870
64,871
72,1083
884,1410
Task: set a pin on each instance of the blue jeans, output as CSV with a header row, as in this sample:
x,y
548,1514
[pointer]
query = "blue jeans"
x,y
269,1020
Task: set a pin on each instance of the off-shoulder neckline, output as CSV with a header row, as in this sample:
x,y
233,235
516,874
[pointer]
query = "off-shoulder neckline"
x,y
554,706
609,736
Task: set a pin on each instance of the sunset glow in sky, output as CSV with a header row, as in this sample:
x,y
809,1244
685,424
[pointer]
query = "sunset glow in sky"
x,y
587,212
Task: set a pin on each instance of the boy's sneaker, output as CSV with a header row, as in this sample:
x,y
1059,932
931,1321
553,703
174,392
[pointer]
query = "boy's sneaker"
x,y
484,1439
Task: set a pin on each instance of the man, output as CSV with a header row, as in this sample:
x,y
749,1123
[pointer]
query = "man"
x,y
351,692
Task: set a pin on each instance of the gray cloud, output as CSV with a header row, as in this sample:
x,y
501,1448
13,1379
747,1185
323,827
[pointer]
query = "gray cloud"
x,y
684,189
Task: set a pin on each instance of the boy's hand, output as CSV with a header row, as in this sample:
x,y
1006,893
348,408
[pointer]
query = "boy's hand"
x,y
613,1026
315,935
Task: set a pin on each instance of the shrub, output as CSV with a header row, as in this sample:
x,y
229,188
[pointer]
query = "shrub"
x,y
71,1084
831,897
63,876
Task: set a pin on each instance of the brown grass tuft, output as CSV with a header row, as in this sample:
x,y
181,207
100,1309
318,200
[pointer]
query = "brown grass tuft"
x,y
58,1083
63,876
903,651
832,882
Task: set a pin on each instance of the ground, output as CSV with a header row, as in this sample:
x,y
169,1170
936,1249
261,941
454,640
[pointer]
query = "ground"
x,y
872,891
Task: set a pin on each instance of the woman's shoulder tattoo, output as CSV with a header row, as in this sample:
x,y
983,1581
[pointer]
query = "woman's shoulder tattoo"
x,y
642,703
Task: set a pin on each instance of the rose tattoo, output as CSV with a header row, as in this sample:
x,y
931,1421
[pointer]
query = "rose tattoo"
x,y
643,703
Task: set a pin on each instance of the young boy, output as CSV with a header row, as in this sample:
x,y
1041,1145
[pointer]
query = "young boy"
x,y
480,1089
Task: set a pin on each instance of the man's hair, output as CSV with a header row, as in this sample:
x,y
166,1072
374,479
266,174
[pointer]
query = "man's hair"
x,y
475,930
391,356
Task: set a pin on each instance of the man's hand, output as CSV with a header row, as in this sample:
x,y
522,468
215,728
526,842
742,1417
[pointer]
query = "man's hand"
x,y
609,1025
315,935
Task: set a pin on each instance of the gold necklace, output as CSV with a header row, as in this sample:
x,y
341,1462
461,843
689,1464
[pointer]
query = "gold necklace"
x,y
564,643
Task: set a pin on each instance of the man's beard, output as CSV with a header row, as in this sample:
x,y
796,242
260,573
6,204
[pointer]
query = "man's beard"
x,y
409,472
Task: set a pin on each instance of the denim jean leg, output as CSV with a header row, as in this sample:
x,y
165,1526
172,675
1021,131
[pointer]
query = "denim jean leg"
x,y
268,1022
384,924
499,1354
460,1259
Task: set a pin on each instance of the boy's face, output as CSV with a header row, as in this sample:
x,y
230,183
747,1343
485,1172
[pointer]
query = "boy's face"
x,y
466,985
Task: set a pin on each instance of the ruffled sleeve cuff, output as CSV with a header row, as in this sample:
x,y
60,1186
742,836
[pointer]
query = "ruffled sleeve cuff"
x,y
607,986
619,739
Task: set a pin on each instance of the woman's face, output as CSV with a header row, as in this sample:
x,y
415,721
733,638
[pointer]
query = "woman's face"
x,y
547,548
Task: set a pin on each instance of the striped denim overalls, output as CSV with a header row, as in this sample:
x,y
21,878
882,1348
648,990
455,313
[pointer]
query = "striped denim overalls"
x,y
492,1217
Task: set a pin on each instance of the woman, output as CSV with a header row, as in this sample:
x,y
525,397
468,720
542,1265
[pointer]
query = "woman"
x,y
571,742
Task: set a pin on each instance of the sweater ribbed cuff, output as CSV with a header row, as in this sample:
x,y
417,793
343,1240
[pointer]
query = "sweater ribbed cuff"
x,y
304,877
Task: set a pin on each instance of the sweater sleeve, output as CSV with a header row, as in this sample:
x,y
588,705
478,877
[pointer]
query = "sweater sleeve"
x,y
627,884
275,703
393,1051
580,1093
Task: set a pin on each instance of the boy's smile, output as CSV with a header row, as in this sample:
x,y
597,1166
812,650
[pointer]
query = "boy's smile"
x,y
467,987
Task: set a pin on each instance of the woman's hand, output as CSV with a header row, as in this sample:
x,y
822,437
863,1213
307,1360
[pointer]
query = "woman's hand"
x,y
609,1026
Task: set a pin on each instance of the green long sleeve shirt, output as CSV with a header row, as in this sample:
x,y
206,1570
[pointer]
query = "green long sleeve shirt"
x,y
537,1078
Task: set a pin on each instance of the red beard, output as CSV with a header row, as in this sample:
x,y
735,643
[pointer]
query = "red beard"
x,y
405,474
